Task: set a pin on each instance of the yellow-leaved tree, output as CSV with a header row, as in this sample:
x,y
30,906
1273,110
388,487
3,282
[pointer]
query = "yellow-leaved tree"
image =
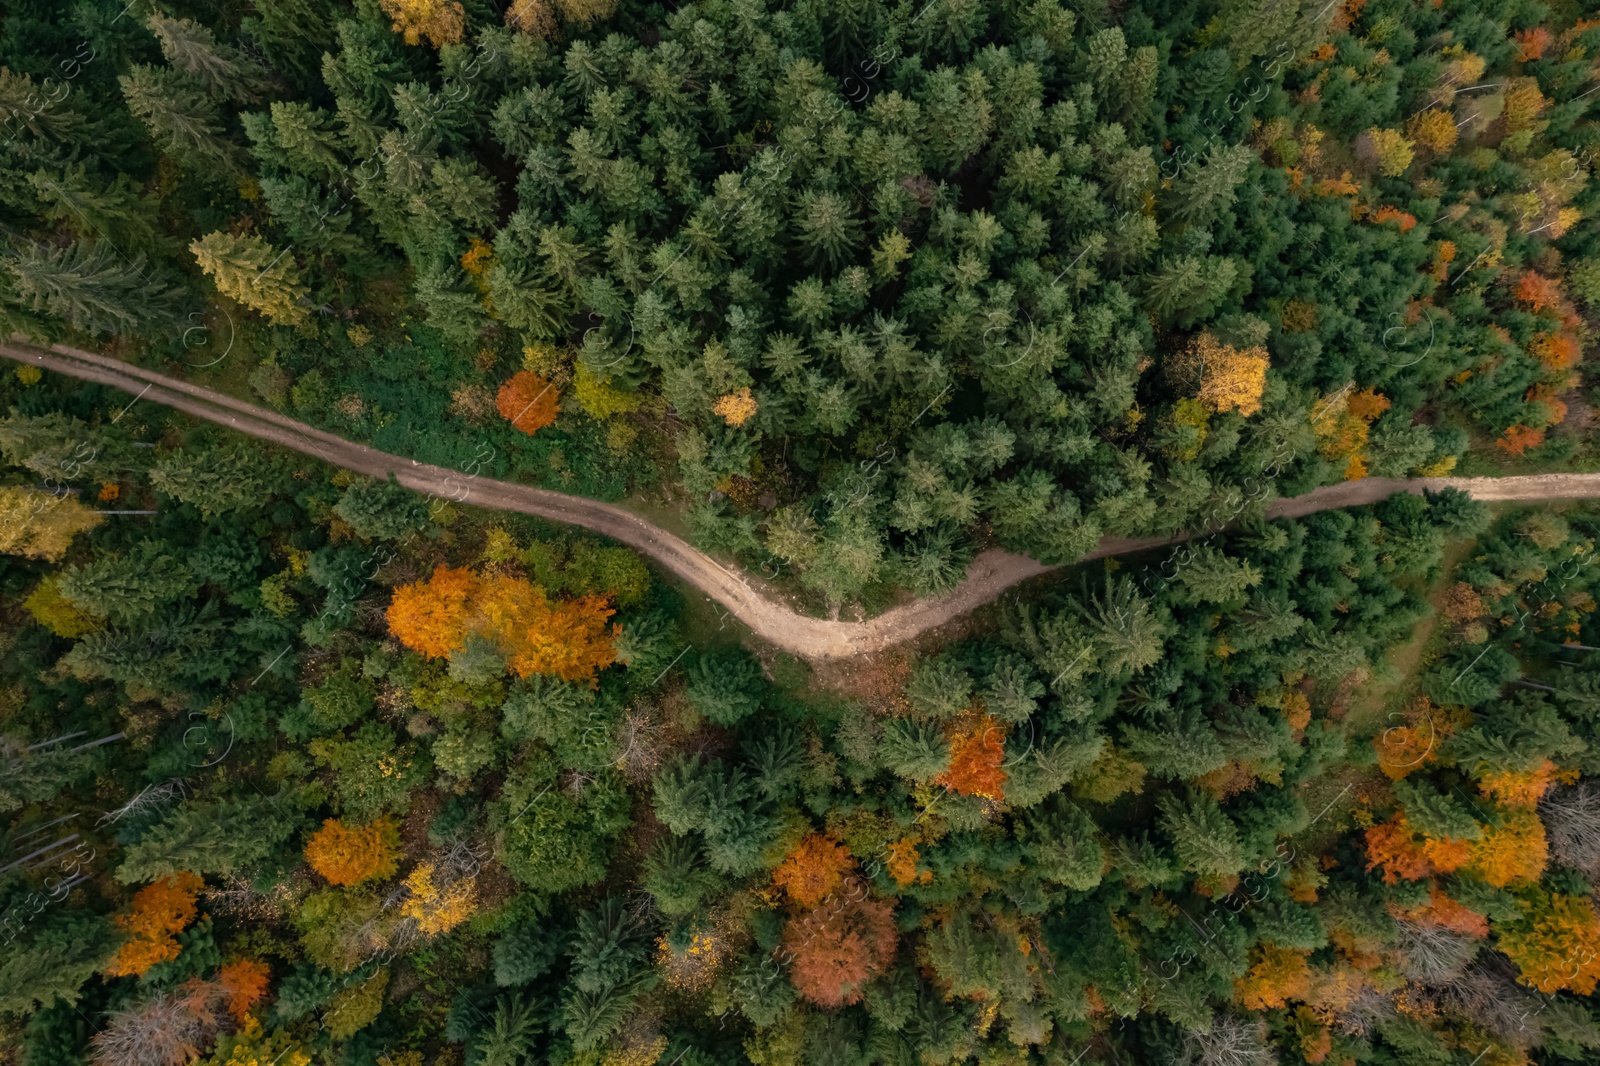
x,y
1231,379
442,22
247,270
41,525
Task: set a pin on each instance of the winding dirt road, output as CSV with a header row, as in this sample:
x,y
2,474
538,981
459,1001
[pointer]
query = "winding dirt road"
x,y
990,574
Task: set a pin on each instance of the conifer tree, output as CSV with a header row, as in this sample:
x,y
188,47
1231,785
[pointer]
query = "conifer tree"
x,y
189,47
116,210
182,122
247,269
40,525
1205,838
216,480
91,287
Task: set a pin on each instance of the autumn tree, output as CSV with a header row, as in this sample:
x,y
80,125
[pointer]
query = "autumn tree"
x,y
535,17
244,982
1276,976
1414,742
431,616
840,945
57,613
586,12
1435,130
252,1046
1442,912
1512,852
437,902
565,638
528,401
349,856
161,910
1555,942
1387,149
41,525
1226,378
976,755
1518,439
813,870
1342,423
1404,854
1537,292
248,271
1518,788
441,22
736,408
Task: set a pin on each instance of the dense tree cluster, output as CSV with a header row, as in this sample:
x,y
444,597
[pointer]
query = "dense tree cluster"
x,y
296,766
883,280
1143,816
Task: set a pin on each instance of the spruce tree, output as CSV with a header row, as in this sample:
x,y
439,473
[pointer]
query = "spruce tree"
x,y
41,525
1205,838
193,49
91,287
216,480
247,269
182,122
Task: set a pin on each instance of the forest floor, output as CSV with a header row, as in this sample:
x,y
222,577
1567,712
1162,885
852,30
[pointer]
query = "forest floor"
x,y
990,574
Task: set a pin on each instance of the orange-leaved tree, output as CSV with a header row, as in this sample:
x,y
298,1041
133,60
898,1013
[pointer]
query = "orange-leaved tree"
x,y
528,401
1406,854
1518,788
1555,942
814,869
1342,422
1519,439
840,945
1404,748
431,616
1277,976
1538,292
161,910
1442,912
348,856
1559,350
568,639
244,982
902,862
976,758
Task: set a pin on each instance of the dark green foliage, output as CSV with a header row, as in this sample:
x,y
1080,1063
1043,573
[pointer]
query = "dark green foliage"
x,y
958,257
523,954
725,686
218,837
913,749
54,958
342,698
382,509
217,481
130,587
676,878
510,1036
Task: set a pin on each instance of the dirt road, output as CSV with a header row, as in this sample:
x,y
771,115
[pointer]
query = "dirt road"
x,y
990,574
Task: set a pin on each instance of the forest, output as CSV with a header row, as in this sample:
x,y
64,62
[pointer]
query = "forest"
x,y
299,766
